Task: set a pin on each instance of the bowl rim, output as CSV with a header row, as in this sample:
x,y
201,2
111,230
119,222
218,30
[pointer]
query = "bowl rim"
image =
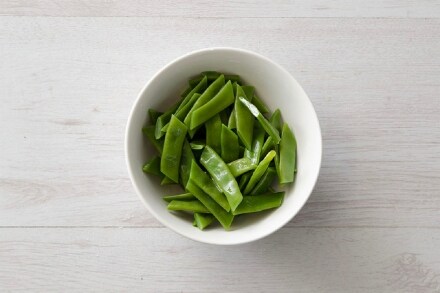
x,y
280,224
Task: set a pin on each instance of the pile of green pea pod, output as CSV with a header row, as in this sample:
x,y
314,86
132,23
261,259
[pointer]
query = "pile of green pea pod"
x,y
217,143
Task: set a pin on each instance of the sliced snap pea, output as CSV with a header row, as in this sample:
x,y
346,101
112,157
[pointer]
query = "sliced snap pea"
x,y
254,154
183,196
267,146
166,181
164,119
182,112
287,158
185,162
232,122
194,206
153,114
258,203
224,116
213,75
265,181
229,144
275,120
149,133
260,105
243,119
218,103
172,149
225,218
197,144
272,131
202,180
241,166
213,133
203,220
259,171
153,166
221,175
244,179
206,96
248,91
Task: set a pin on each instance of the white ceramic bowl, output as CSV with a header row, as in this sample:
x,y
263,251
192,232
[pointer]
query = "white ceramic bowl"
x,y
277,88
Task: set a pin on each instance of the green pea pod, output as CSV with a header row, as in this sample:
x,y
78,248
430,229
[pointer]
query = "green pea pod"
x,y
185,162
225,218
149,133
190,206
204,182
232,122
254,154
267,146
258,203
203,220
197,144
206,96
265,181
248,91
287,158
259,171
244,179
166,181
275,120
182,112
213,75
213,133
272,131
244,120
221,175
153,114
218,103
183,196
229,144
260,105
172,149
241,166
164,119
153,166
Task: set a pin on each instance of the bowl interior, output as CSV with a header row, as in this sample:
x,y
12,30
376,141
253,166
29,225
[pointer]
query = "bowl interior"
x,y
277,88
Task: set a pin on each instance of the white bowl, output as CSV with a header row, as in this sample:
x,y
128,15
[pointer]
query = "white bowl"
x,y
277,88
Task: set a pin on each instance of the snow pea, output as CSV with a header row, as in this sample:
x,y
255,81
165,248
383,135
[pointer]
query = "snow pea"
x,y
213,75
172,149
153,166
166,181
231,122
225,218
203,220
267,146
243,119
206,96
275,120
218,103
244,179
248,91
182,112
258,203
190,206
213,133
260,105
204,182
221,175
197,145
153,114
229,144
254,154
183,196
287,158
272,131
164,119
149,133
259,171
265,181
185,162
241,166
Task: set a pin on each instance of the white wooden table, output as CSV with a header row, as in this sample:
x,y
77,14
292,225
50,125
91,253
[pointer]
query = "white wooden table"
x,y
70,219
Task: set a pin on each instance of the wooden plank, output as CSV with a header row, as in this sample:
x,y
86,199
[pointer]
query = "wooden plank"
x,y
158,260
224,9
69,84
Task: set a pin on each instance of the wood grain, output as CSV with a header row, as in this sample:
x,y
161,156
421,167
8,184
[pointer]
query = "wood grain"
x,y
224,9
158,260
70,83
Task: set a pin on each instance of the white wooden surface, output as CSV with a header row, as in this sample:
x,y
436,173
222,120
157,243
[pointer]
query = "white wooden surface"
x,y
70,220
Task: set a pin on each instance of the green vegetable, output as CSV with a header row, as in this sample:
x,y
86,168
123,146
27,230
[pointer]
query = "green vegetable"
x,y
213,133
272,131
149,133
221,175
190,206
232,124
185,162
267,146
153,115
197,145
218,103
204,182
225,218
203,220
183,196
241,166
182,112
172,149
254,153
259,171
229,144
244,120
275,120
153,166
258,203
265,182
244,179
287,158
260,105
167,181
